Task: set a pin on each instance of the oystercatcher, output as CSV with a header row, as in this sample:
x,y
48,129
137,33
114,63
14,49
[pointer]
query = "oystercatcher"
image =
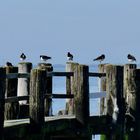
x,y
100,58
44,57
8,64
131,58
22,57
69,56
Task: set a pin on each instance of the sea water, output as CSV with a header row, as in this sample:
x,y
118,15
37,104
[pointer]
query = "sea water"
x,y
59,86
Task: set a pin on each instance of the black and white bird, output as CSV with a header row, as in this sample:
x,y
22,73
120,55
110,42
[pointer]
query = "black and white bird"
x,y
131,58
22,57
69,56
8,64
100,58
44,57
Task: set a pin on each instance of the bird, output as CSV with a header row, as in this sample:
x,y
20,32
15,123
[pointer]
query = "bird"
x,y
100,58
44,57
22,57
69,56
8,64
131,58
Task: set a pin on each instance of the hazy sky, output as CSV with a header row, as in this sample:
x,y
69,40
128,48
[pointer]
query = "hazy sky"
x,y
87,28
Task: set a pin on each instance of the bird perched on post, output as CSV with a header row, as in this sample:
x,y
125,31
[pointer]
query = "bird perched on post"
x,y
22,57
131,58
100,58
8,64
69,56
44,57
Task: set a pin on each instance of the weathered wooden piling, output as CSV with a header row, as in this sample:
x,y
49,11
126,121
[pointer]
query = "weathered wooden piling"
x,y
11,109
23,83
78,85
120,111
137,113
131,94
2,101
48,102
115,101
81,96
70,87
38,85
130,85
102,87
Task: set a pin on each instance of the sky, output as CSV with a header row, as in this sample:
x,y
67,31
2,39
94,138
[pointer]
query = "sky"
x,y
86,28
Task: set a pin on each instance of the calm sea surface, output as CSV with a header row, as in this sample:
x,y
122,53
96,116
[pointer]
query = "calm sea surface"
x,y
59,86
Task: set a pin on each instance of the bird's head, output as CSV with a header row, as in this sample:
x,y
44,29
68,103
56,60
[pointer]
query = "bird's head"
x,y
128,55
103,55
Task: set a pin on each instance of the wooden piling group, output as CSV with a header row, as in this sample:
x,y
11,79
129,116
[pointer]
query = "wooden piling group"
x,y
30,92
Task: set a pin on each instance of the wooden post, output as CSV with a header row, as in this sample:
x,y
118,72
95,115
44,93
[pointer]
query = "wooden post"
x,y
11,109
129,85
48,102
81,97
137,111
2,101
78,85
38,84
68,109
23,83
130,92
115,101
102,87
70,87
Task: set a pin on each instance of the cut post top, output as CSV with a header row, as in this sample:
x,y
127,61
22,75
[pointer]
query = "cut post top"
x,y
26,63
47,66
130,66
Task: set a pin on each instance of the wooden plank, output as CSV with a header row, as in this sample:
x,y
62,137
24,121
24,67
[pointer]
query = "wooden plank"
x,y
11,123
17,75
60,74
20,98
56,125
16,98
94,74
49,74
62,96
